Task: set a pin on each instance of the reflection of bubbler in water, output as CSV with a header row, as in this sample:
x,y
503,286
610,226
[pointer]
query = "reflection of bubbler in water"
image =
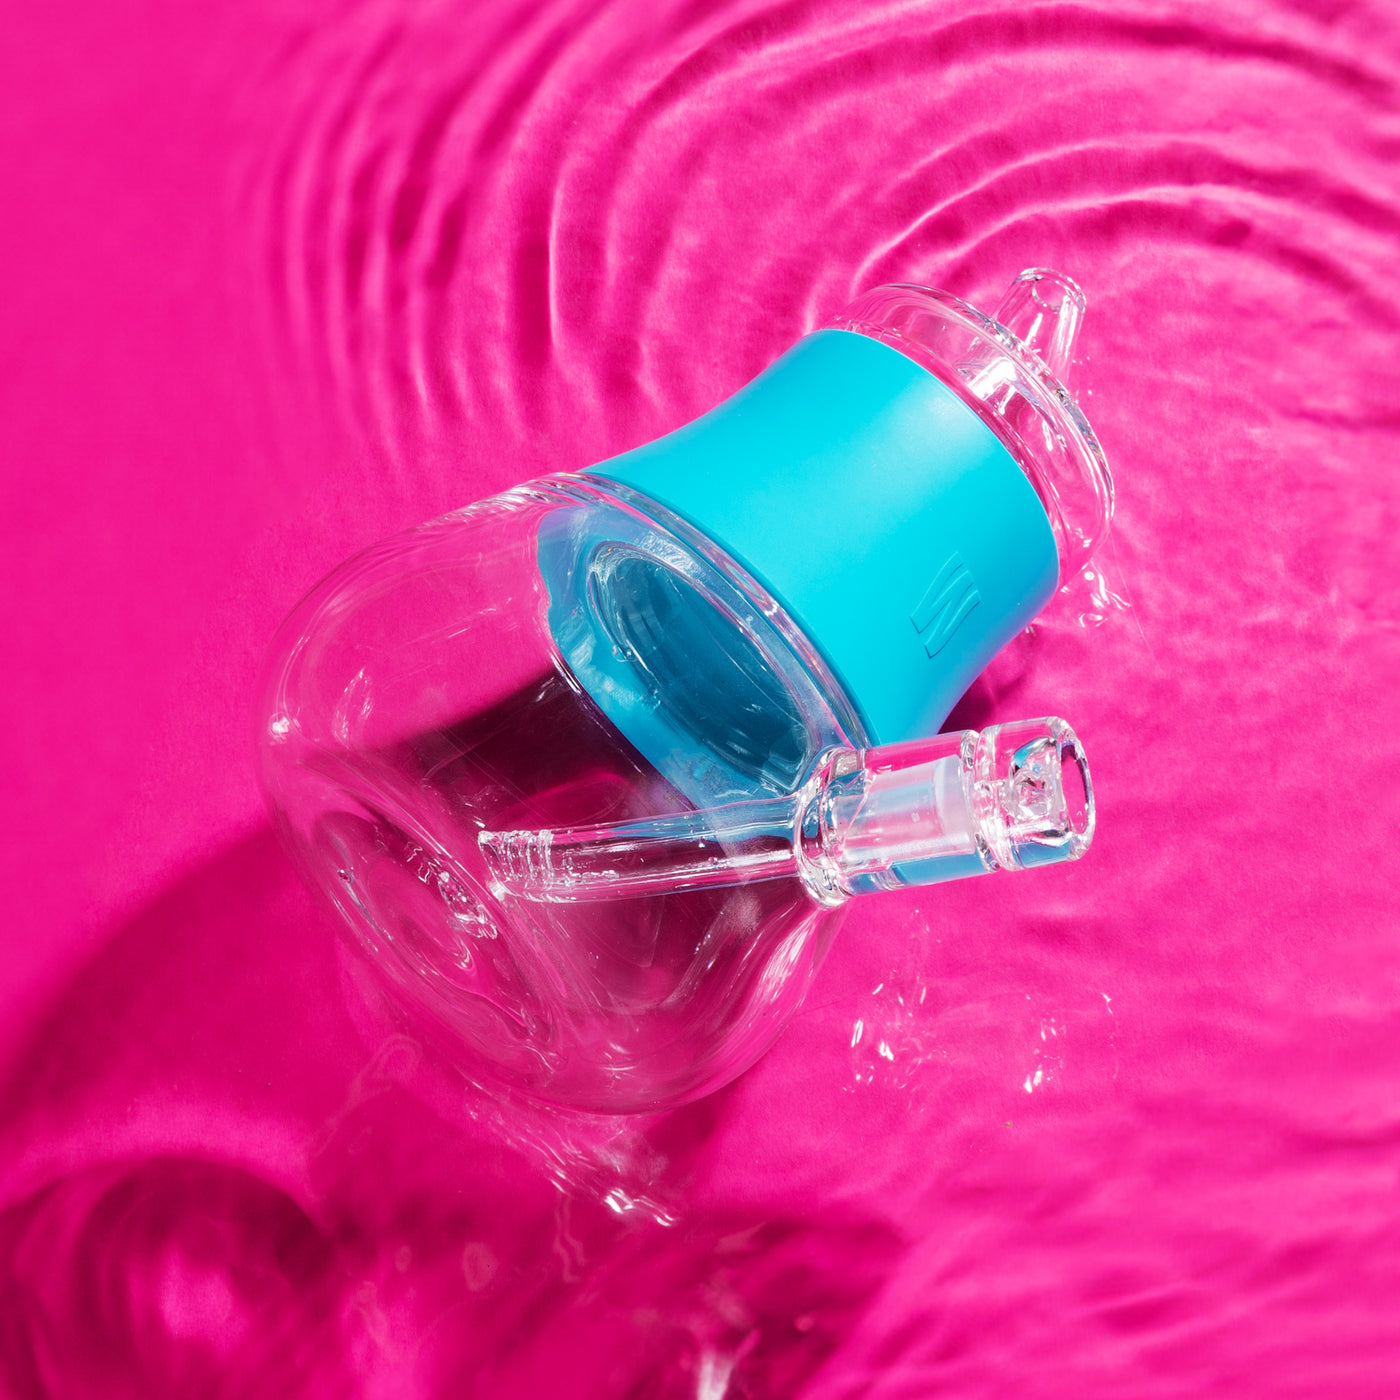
x,y
591,767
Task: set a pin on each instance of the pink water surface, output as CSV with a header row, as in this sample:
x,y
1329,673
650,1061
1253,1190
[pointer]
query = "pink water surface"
x,y
276,279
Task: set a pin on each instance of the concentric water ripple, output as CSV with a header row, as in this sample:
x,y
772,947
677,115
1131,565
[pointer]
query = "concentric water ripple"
x,y
533,231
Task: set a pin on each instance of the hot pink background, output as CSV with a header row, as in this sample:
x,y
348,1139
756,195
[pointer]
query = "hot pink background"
x,y
277,279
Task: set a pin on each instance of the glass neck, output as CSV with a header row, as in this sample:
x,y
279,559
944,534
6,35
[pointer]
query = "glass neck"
x,y
1011,369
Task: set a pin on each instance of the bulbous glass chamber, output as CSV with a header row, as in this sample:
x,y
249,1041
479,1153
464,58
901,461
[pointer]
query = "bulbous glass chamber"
x,y
430,689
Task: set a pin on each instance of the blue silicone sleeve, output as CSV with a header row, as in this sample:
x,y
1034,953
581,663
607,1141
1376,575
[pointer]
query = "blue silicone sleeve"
x,y
877,507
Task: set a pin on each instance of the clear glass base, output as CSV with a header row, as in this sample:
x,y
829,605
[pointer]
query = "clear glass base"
x,y
418,697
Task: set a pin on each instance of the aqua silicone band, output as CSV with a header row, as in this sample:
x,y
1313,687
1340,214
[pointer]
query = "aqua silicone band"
x,y
878,507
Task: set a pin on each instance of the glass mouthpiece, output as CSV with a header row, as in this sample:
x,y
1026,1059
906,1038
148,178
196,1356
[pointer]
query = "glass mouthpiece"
x,y
1043,310
1012,797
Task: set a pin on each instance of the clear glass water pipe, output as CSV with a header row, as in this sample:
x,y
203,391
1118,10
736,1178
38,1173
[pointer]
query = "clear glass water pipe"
x,y
592,768
1011,797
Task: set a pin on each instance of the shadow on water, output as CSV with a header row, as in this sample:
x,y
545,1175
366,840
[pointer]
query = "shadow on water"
x,y
220,1183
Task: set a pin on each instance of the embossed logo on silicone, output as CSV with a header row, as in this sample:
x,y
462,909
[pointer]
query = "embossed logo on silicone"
x,y
945,605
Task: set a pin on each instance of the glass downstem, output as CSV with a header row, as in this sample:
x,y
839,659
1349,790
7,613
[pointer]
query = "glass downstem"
x,y
1011,797
616,860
